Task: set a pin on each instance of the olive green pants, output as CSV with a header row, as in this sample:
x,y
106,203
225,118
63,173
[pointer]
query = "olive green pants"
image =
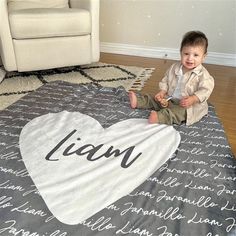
x,y
173,114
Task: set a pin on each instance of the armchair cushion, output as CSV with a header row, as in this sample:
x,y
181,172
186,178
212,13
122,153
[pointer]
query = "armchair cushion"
x,y
49,38
50,22
26,4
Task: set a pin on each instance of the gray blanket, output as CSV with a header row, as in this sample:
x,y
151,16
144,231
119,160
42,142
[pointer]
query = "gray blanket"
x,y
191,194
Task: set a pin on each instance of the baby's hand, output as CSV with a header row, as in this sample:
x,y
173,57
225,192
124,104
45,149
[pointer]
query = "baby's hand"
x,y
160,95
188,101
164,102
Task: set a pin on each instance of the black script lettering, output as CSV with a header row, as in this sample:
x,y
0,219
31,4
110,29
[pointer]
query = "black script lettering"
x,y
58,146
80,151
127,151
91,150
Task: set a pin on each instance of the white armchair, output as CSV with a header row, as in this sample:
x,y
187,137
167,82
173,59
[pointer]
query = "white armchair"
x,y
45,34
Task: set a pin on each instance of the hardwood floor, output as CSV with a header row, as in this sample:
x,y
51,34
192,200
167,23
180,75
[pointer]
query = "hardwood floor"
x,y
223,96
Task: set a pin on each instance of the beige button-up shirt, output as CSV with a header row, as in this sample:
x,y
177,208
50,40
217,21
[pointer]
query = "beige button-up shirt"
x,y
195,82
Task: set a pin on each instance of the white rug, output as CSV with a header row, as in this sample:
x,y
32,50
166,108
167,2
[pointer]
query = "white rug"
x,y
14,85
2,73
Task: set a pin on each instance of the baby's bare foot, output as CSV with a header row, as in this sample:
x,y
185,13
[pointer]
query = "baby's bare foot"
x,y
133,99
153,118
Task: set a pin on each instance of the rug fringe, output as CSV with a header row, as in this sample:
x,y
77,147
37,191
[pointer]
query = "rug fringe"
x,y
141,79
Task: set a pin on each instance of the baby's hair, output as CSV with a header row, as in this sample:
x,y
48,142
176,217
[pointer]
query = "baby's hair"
x,y
194,38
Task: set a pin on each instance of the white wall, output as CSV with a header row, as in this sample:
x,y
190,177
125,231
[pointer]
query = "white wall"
x,y
155,28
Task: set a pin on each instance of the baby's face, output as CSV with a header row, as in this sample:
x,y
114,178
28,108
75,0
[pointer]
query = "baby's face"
x,y
192,56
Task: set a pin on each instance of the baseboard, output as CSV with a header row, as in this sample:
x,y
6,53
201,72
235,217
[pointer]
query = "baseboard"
x,y
168,53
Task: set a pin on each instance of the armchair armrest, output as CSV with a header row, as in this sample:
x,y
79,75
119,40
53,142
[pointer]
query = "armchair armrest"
x,y
6,44
93,7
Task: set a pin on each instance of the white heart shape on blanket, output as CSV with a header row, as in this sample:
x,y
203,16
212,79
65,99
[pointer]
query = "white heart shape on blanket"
x,y
80,168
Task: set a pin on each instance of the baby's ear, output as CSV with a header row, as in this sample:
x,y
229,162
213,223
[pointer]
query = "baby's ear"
x,y
204,56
